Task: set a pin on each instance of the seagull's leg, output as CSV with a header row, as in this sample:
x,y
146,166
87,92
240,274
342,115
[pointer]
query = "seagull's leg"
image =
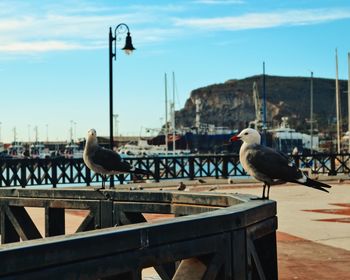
x,y
104,178
263,194
103,183
268,191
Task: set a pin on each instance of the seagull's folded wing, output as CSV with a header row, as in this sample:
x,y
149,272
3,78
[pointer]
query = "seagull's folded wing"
x,y
110,160
271,163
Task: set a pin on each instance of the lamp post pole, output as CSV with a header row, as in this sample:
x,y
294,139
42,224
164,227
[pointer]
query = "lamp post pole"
x,y
111,88
128,48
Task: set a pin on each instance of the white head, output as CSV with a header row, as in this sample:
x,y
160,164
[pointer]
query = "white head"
x,y
248,135
91,136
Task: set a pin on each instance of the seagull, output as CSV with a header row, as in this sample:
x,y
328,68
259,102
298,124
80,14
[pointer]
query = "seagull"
x,y
269,166
106,162
181,187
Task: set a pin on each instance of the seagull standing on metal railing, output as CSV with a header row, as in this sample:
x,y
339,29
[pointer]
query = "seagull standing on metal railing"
x,y
269,166
106,162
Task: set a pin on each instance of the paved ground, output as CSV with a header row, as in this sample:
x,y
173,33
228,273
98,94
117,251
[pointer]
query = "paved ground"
x,y
309,213
313,236
314,227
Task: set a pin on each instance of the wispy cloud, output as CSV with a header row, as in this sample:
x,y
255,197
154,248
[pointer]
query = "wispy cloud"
x,y
63,28
42,46
266,20
219,2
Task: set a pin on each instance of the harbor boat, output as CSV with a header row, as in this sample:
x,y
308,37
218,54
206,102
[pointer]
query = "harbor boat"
x,y
210,139
73,150
16,150
205,139
2,148
38,150
143,148
288,140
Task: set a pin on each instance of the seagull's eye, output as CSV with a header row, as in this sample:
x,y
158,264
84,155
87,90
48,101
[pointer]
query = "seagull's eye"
x,y
246,133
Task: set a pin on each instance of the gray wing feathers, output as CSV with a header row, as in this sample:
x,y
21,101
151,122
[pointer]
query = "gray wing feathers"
x,y
272,164
110,160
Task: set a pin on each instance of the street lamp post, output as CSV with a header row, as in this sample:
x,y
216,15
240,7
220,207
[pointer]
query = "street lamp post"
x,y
128,48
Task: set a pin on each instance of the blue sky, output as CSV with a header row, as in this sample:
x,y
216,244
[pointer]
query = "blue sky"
x,y
54,56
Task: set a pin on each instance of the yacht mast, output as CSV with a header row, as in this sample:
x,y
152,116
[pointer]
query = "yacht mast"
x,y
311,111
173,114
349,99
337,101
166,113
264,107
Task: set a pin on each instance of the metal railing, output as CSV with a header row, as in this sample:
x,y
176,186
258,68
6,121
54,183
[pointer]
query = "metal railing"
x,y
60,171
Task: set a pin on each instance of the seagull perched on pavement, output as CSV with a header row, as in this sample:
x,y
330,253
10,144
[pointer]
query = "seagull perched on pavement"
x,y
106,162
269,166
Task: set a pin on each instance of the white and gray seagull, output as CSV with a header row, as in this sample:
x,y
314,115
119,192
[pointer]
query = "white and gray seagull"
x,y
106,162
269,166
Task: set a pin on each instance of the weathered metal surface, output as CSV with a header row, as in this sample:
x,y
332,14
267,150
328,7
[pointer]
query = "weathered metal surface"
x,y
222,231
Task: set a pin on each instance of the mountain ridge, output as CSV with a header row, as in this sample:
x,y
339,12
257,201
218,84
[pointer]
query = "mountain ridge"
x,y
231,103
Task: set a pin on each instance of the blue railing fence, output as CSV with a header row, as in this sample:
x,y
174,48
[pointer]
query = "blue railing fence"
x,y
62,171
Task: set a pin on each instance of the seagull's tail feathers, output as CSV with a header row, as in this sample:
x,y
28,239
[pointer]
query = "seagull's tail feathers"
x,y
141,171
316,185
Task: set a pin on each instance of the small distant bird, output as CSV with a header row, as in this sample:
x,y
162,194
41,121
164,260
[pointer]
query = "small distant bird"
x,y
106,162
269,166
181,187
230,181
136,188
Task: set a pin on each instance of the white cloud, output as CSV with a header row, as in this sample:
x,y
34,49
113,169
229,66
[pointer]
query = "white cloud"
x,y
60,27
266,20
219,2
41,46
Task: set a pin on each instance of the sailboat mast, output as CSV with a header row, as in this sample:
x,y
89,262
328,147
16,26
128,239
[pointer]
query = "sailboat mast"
x,y
173,113
264,107
166,112
349,100
337,101
311,111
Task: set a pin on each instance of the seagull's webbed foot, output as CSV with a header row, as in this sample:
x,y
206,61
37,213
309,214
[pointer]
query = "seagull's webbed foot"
x,y
263,197
104,178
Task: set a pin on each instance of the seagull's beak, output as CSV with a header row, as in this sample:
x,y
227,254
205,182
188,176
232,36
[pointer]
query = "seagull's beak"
x,y
235,138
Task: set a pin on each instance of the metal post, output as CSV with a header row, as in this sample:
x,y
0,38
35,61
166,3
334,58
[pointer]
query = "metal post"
x,y
337,102
115,117
47,133
110,89
128,49
111,97
173,112
166,113
264,107
311,110
349,100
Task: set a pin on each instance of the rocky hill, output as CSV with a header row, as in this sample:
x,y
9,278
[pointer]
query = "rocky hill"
x,y
231,103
